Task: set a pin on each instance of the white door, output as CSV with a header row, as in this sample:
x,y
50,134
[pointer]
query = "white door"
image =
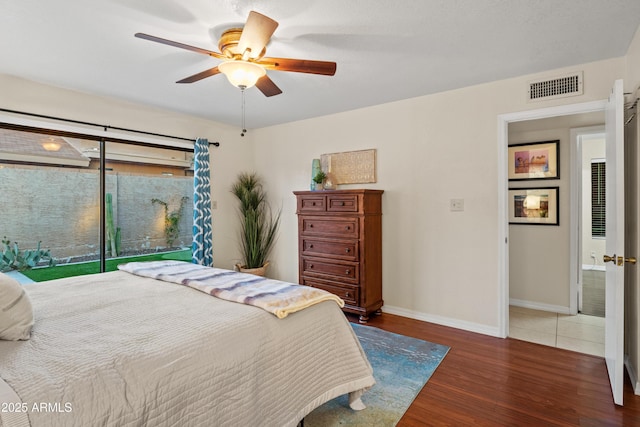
x,y
614,260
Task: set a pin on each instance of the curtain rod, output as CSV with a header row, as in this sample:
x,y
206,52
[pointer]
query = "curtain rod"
x,y
105,127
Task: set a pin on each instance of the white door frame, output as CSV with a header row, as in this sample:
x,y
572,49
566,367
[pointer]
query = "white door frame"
x,y
575,208
503,187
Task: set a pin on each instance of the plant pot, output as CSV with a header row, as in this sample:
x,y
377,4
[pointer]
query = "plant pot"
x,y
259,271
319,186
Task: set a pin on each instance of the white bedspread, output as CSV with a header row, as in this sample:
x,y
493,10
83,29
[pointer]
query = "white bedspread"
x,y
121,350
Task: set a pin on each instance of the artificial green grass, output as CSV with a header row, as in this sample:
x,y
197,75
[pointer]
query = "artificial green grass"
x,y
67,270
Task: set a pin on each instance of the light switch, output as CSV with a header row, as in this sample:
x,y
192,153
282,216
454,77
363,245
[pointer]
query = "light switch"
x,y
456,205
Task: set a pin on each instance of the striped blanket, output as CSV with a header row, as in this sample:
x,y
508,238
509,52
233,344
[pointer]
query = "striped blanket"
x,y
274,296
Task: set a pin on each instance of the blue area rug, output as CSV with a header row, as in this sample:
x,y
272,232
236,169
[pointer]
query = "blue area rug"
x,y
401,367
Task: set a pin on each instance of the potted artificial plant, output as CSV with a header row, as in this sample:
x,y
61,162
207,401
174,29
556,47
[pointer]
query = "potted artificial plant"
x,y
319,180
258,224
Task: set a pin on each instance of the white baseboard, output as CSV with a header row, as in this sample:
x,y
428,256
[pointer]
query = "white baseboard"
x,y
594,267
539,306
633,376
444,321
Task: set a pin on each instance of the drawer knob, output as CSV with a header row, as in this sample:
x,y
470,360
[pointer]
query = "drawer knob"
x,y
347,228
347,250
347,294
310,265
341,203
311,246
347,271
310,225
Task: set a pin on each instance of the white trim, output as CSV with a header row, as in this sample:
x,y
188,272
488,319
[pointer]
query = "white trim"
x,y
561,110
78,128
540,306
594,267
503,223
575,221
444,321
575,209
503,228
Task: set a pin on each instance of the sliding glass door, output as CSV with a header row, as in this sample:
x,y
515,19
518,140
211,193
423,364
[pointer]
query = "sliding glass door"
x,y
87,205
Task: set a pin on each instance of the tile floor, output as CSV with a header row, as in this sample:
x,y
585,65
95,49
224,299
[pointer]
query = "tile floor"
x,y
581,333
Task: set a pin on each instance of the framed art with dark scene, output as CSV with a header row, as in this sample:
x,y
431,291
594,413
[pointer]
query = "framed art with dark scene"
x,y
536,206
535,160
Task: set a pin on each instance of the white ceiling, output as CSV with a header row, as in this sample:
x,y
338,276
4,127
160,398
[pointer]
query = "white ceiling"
x,y
385,50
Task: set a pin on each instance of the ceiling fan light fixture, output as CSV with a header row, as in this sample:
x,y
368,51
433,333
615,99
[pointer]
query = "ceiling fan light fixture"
x,y
242,74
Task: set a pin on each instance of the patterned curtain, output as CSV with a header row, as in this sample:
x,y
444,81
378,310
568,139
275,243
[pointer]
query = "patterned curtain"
x,y
202,237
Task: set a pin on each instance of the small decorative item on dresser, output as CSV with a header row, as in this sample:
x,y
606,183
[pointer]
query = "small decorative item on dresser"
x,y
340,246
319,180
315,168
330,180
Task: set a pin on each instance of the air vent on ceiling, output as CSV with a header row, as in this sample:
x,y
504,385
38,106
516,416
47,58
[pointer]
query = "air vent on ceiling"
x,y
559,87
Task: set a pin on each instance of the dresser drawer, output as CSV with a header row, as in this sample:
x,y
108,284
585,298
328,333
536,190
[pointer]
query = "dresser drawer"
x,y
350,294
333,227
342,203
344,271
312,203
347,250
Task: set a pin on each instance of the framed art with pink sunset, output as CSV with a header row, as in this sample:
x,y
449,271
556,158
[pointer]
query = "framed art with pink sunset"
x,y
535,160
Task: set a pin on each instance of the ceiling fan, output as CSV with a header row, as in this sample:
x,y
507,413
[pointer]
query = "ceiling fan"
x,y
242,52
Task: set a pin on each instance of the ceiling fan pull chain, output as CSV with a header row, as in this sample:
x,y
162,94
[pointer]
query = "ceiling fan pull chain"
x,y
244,130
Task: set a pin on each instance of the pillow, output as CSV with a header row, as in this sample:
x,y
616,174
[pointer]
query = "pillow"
x,y
16,313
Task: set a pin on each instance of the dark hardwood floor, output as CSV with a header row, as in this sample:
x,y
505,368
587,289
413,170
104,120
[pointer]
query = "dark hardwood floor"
x,y
487,381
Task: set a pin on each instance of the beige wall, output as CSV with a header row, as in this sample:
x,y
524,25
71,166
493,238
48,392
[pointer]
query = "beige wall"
x,y
539,254
632,78
438,265
234,154
530,247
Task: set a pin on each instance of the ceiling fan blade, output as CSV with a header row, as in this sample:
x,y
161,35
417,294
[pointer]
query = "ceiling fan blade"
x,y
256,34
267,86
202,75
325,68
180,45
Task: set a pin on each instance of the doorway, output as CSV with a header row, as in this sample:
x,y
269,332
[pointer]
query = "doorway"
x,y
543,303
503,231
615,223
590,165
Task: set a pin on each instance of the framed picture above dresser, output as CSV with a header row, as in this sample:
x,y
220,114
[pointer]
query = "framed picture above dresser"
x,y
340,246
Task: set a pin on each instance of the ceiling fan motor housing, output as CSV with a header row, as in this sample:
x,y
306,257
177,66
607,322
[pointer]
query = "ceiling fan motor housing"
x,y
228,44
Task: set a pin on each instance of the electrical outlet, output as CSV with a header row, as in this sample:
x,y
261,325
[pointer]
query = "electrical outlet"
x,y
456,205
593,254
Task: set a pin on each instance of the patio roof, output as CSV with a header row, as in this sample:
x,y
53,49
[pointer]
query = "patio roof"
x,y
39,148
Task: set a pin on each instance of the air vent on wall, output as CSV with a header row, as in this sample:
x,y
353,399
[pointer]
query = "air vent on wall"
x,y
559,87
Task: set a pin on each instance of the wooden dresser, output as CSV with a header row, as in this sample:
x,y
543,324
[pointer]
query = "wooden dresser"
x,y
340,246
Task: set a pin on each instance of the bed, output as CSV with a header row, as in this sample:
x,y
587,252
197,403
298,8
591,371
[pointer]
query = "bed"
x,y
119,349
